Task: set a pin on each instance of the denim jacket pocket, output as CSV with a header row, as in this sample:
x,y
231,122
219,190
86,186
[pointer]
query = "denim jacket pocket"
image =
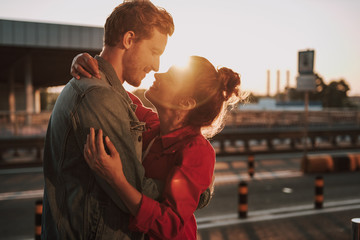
x,y
137,126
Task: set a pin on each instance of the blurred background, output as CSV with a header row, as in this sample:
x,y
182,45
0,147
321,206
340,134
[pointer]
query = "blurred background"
x,y
278,141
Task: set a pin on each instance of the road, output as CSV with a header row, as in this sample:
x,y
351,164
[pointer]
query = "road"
x,y
280,201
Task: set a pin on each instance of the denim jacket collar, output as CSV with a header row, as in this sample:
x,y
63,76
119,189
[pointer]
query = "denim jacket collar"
x,y
114,81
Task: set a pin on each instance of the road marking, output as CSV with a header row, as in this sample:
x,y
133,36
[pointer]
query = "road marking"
x,y
222,179
278,213
22,195
233,178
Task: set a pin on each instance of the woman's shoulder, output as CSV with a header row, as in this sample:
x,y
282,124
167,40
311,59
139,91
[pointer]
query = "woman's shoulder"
x,y
200,145
198,140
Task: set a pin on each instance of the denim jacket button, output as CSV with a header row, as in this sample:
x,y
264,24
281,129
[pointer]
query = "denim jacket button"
x,y
139,138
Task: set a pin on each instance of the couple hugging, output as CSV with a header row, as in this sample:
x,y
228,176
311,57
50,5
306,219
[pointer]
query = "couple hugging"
x,y
115,169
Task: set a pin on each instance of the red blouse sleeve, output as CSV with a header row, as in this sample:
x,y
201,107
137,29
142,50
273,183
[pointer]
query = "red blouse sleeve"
x,y
143,113
183,187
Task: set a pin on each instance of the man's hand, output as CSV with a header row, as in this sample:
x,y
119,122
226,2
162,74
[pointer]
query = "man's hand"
x,y
85,65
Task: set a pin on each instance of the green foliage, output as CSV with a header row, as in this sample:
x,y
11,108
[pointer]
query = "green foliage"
x,y
333,95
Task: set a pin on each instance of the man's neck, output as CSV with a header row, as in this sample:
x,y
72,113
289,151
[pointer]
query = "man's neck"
x,y
113,55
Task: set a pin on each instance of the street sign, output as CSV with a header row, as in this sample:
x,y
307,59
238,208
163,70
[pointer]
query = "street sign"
x,y
306,82
306,62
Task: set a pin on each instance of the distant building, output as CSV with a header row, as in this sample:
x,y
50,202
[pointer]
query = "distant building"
x,y
271,104
38,55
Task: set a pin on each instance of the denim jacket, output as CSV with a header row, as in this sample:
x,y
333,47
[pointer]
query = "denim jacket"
x,y
77,203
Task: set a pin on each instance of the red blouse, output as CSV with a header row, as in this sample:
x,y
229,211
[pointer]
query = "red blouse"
x,y
184,160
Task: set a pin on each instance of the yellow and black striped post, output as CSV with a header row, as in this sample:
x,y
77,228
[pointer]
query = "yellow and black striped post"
x,y
243,199
38,213
251,166
319,192
355,227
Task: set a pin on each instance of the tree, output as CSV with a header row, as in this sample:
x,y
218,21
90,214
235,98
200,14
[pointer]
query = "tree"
x,y
333,95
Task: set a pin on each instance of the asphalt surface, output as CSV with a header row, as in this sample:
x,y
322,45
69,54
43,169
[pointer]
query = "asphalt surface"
x,y
280,201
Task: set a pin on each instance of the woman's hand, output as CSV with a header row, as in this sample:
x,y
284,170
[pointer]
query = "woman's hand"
x,y
85,65
108,167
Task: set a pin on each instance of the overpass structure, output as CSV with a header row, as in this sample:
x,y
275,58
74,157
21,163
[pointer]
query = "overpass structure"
x,y
37,55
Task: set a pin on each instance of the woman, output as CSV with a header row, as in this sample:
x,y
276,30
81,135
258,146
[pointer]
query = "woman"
x,y
191,104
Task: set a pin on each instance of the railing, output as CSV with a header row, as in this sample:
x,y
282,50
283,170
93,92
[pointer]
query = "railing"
x,y
22,123
247,141
270,119
22,131
246,132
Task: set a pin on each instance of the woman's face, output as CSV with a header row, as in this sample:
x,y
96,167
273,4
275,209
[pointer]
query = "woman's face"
x,y
168,87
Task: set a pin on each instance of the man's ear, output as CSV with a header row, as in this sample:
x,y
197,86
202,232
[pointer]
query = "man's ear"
x,y
187,103
128,39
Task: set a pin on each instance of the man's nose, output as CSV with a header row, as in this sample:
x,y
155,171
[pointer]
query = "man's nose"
x,y
156,64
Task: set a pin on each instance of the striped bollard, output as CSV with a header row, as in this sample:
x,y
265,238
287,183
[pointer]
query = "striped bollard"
x,y
251,166
38,213
319,192
242,204
355,227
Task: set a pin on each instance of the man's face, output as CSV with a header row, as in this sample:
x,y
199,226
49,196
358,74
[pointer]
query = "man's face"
x,y
142,57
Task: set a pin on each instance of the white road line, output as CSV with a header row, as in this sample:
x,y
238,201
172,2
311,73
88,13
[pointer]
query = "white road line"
x,y
231,178
222,179
22,195
279,213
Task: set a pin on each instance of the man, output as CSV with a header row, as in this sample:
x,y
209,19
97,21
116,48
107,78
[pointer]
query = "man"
x,y
78,204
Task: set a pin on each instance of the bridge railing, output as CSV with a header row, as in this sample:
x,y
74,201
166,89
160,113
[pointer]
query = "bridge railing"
x,y
269,119
247,132
21,123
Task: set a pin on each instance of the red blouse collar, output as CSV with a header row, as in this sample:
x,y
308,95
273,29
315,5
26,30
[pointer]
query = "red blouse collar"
x,y
178,136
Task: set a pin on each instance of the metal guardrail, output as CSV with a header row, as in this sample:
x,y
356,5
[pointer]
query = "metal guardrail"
x,y
22,123
248,141
22,142
271,119
246,132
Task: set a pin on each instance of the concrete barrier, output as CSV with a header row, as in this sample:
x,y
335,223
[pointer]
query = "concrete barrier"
x,y
323,163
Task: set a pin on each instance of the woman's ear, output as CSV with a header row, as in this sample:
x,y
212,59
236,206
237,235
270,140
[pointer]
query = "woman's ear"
x,y
188,103
128,39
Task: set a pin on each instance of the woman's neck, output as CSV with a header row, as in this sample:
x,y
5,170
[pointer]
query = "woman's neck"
x,y
170,120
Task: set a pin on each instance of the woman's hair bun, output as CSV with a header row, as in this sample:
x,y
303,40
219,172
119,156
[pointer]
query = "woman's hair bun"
x,y
229,82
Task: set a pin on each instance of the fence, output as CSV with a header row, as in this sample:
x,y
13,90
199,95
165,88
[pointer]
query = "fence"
x,y
269,119
23,123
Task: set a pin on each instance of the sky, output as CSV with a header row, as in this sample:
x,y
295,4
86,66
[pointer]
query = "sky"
x,y
249,36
